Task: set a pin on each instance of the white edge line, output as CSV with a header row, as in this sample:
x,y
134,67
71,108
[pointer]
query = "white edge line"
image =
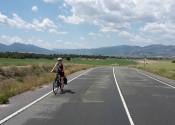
x,y
123,100
81,74
155,79
24,108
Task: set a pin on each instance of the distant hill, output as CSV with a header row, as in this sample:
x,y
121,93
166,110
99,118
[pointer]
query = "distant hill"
x,y
123,50
18,47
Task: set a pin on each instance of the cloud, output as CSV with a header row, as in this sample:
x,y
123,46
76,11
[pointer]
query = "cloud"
x,y
35,9
100,13
119,15
73,45
53,31
39,42
18,22
134,38
78,44
72,19
46,23
82,38
159,28
3,18
162,32
50,1
59,40
64,5
9,40
68,45
95,34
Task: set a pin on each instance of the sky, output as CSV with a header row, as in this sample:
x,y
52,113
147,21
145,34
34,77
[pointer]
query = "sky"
x,y
74,24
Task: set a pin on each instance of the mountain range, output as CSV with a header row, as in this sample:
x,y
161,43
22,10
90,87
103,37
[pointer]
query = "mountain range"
x,y
123,50
19,47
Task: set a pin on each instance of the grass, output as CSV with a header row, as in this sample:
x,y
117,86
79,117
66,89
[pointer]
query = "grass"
x,y
159,65
101,62
94,62
162,68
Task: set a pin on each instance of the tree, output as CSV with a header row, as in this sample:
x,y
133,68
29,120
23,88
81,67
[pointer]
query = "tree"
x,y
68,58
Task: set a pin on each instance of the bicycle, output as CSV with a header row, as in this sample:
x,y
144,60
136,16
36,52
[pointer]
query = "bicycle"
x,y
56,84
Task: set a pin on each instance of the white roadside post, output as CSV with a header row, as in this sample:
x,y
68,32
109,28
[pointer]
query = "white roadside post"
x,y
144,61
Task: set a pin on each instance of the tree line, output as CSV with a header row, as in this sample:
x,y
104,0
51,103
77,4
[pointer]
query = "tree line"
x,y
17,55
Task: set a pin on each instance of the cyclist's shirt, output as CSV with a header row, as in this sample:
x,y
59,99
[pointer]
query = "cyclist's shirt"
x,y
60,69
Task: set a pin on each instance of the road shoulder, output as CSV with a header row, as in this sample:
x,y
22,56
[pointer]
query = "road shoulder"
x,y
163,79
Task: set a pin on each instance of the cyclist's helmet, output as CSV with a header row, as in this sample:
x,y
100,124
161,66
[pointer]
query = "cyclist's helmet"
x,y
59,59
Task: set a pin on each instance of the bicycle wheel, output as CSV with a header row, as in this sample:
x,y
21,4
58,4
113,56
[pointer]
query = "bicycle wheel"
x,y
55,86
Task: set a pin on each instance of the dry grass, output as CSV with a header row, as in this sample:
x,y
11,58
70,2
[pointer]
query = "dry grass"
x,y
163,68
162,72
115,64
17,79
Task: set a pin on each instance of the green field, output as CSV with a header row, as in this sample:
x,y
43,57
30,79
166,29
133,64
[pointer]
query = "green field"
x,y
98,62
95,62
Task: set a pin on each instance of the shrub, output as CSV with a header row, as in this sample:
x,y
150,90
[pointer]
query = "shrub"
x,y
19,79
3,99
1,71
173,61
16,71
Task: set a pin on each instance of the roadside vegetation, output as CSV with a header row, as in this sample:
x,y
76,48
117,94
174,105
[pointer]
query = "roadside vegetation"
x,y
160,67
17,79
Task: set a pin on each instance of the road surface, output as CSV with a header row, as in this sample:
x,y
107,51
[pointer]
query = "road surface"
x,y
104,96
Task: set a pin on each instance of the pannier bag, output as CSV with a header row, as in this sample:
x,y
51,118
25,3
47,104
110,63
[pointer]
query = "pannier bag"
x,y
65,80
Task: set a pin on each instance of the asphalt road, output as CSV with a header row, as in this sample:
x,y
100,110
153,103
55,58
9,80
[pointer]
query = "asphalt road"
x,y
105,96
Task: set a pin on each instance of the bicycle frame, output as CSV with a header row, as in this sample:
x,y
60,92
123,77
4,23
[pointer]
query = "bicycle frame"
x,y
56,84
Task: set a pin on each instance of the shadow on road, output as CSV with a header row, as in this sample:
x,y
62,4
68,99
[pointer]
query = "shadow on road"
x,y
68,91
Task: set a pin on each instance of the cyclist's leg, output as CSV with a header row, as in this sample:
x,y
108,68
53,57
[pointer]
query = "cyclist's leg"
x,y
61,74
57,78
62,82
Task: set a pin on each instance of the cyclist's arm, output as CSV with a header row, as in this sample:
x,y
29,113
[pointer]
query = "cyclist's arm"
x,y
54,67
63,67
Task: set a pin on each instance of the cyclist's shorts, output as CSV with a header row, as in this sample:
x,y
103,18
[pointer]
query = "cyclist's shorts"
x,y
61,74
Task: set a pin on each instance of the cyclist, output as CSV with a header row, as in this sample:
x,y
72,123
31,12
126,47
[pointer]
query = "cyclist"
x,y
60,71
